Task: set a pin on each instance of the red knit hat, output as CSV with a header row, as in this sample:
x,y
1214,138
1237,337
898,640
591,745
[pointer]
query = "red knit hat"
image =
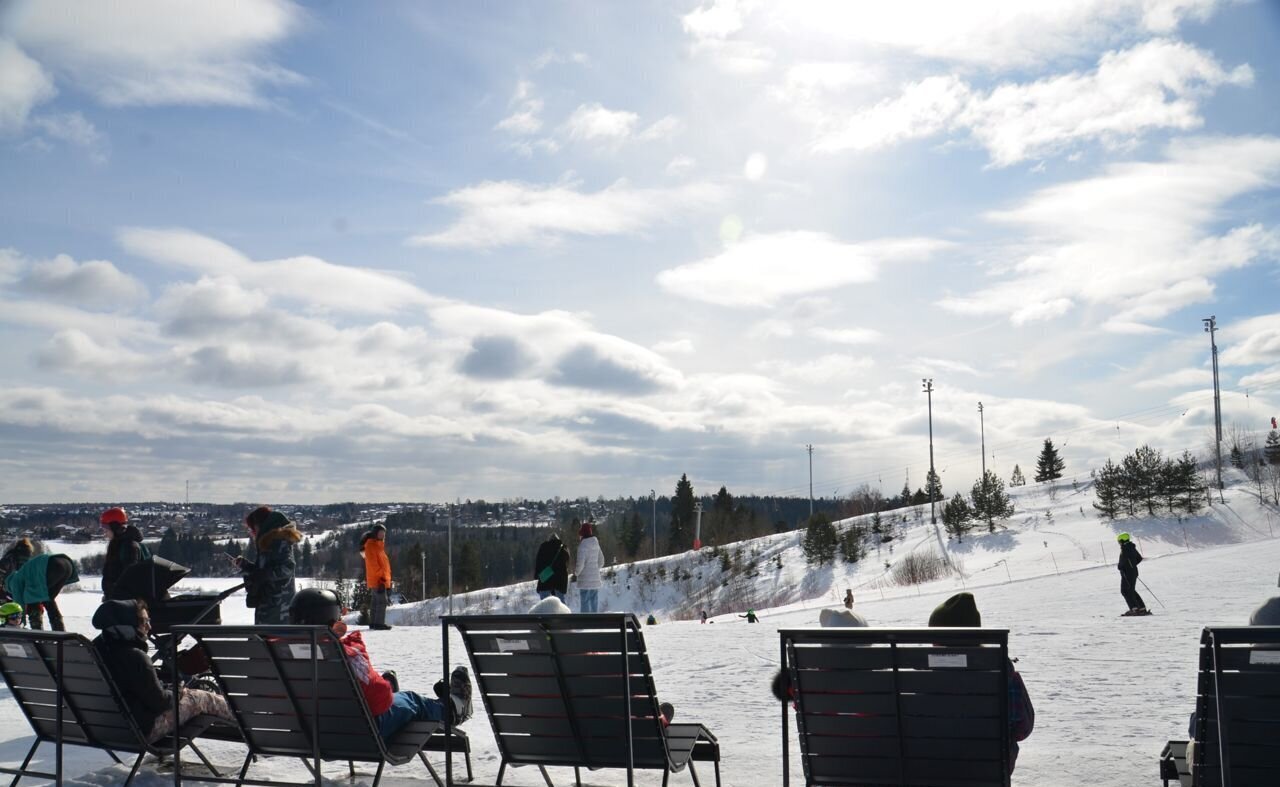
x,y
586,531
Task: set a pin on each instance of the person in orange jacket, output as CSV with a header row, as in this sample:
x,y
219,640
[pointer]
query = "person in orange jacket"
x,y
377,574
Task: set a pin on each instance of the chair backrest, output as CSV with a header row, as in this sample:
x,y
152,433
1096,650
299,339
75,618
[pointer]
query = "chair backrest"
x,y
93,711
286,701
901,706
1238,707
557,687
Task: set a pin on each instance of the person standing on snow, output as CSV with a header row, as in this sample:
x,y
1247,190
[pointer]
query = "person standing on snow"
x,y
377,575
124,549
268,577
587,569
551,568
1128,565
34,581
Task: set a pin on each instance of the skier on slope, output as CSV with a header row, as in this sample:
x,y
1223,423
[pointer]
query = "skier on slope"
x,y
1128,565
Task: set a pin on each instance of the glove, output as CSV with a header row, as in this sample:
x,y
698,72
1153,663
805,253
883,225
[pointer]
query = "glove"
x,y
573,577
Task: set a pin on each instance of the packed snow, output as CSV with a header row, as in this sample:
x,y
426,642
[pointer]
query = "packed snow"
x,y
1108,691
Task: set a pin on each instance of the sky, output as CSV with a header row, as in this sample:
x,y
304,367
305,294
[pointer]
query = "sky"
x,y
414,251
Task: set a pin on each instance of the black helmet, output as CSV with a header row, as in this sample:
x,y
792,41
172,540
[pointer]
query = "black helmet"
x,y
315,607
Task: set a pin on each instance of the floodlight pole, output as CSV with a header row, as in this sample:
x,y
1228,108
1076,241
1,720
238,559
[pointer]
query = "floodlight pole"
x,y
933,515
1210,327
654,494
450,560
982,425
809,448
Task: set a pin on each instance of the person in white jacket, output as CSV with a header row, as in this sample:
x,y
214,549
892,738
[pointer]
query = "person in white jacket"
x,y
587,569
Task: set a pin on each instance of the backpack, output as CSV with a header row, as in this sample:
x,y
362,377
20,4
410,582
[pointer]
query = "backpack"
x,y
1022,716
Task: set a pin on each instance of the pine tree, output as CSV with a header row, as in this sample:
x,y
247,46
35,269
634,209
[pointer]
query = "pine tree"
x,y
1106,488
632,533
1272,449
905,494
990,501
876,523
1142,475
851,544
1237,457
1017,479
955,516
305,568
933,487
680,537
820,540
1049,465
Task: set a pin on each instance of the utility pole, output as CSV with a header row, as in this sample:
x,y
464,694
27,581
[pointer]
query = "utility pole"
x,y
697,528
188,493
809,448
424,575
930,491
1210,327
450,560
653,494
982,425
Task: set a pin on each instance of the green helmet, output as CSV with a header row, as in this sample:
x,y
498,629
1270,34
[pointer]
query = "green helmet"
x,y
10,609
1123,537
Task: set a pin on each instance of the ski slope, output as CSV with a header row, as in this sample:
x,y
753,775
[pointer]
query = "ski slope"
x,y
1108,691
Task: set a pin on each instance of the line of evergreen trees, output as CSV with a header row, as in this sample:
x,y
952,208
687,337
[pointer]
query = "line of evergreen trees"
x,y
1146,480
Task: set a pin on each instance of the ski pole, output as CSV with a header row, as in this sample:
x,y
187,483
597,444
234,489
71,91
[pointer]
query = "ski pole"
x,y
1153,593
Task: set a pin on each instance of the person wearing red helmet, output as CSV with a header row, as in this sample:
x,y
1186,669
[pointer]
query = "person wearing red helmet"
x,y
124,549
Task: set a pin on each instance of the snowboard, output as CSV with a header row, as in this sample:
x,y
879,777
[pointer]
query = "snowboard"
x,y
1133,613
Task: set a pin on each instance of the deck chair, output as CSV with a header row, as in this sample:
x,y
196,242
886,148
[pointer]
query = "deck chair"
x,y
576,691
898,707
294,695
69,698
1237,711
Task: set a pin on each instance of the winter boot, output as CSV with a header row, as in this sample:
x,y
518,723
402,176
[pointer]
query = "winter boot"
x,y
390,677
460,694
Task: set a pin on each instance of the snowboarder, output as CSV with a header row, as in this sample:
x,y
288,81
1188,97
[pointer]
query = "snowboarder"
x,y
1128,565
703,616
551,568
391,709
124,549
750,616
34,581
586,570
377,574
268,577
848,598
651,620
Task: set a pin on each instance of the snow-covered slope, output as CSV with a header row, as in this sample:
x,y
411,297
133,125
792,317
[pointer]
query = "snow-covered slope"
x,y
1108,691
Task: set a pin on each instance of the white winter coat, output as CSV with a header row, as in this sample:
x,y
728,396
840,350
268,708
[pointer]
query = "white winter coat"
x,y
590,559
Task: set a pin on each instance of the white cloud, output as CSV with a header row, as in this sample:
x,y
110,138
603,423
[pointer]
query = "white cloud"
x,y
74,351
1182,378
680,165
1157,84
763,269
1251,342
593,122
70,127
151,52
756,165
824,369
24,85
507,213
846,335
1136,238
95,283
662,128
931,366
524,120
771,329
305,279
675,347
993,34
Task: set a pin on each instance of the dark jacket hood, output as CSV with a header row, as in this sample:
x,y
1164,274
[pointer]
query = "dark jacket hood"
x,y
1266,615
276,527
118,622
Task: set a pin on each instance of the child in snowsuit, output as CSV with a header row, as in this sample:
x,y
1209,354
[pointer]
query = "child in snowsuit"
x,y
1128,565
268,577
377,575
124,549
391,709
11,615
122,645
